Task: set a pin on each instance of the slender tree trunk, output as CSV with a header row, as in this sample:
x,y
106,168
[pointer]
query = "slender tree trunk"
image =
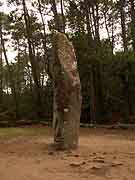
x,y
98,67
1,75
62,14
99,91
132,11
91,50
32,59
46,62
112,44
92,98
97,24
44,28
91,23
56,16
123,25
18,91
87,14
95,16
107,30
43,22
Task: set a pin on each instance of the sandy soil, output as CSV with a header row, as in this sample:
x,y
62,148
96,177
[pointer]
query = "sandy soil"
x,y
103,155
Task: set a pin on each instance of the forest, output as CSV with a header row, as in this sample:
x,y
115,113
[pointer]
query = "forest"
x,y
67,89
103,35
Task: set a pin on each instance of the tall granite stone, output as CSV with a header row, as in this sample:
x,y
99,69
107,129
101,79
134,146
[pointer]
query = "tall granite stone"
x,y
67,94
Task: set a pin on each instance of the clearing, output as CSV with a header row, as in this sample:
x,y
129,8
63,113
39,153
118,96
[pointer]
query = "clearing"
x,y
104,154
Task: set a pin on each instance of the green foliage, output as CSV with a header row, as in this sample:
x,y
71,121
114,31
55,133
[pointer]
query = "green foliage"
x,y
110,73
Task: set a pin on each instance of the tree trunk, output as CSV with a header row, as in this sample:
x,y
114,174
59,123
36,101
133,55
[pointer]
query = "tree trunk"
x,y
123,25
44,38
62,14
132,11
87,14
107,30
1,74
32,59
92,75
92,98
56,16
95,13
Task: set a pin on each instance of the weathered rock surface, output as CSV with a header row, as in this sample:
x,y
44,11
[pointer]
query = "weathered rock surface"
x,y
67,94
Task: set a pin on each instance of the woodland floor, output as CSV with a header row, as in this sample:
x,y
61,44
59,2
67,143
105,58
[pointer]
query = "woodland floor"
x,y
104,154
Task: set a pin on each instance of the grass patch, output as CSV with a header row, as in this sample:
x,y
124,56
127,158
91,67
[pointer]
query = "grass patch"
x,y
31,131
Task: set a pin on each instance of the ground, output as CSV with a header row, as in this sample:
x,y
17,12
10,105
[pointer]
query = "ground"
x,y
104,154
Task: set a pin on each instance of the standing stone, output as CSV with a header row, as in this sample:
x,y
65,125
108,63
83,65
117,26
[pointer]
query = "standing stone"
x,y
67,94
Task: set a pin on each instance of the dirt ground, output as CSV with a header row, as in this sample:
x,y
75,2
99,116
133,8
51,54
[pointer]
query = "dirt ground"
x,y
104,154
